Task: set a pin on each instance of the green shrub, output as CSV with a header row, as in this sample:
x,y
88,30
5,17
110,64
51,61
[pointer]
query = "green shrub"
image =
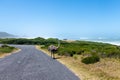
x,y
71,53
91,59
75,56
63,52
4,45
80,52
42,46
113,54
11,47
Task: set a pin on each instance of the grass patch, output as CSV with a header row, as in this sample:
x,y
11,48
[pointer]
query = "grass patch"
x,y
6,50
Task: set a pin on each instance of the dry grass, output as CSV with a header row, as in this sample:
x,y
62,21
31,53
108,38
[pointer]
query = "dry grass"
x,y
106,69
2,55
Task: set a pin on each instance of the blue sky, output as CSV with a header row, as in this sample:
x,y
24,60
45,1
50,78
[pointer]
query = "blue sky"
x,y
72,19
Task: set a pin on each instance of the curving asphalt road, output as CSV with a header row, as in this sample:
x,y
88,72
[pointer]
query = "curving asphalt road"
x,y
31,64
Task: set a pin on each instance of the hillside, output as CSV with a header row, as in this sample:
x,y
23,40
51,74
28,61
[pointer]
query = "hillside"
x,y
6,35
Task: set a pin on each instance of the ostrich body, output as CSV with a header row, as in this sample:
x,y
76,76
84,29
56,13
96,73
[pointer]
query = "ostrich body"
x,y
53,49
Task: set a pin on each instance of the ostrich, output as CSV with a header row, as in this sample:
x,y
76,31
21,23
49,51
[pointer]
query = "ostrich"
x,y
53,49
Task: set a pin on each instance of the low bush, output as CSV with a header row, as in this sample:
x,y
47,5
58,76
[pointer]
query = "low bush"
x,y
91,59
75,56
80,52
113,54
4,45
66,52
6,49
63,52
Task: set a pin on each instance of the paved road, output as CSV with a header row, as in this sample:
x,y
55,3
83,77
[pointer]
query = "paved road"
x,y
31,64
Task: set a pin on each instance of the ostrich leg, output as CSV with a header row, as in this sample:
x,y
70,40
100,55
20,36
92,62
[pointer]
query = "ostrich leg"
x,y
51,54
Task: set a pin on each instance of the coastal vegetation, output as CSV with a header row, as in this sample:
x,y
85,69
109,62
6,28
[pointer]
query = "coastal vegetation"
x,y
89,50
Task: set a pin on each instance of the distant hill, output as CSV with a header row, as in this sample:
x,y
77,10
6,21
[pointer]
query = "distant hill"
x,y
6,35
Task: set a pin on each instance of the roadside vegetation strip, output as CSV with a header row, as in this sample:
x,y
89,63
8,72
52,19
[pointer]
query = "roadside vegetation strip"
x,y
6,50
105,69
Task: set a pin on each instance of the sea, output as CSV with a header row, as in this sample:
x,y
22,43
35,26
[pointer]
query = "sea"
x,y
110,41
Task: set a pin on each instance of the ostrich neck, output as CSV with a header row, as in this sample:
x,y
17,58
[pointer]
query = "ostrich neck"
x,y
58,44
